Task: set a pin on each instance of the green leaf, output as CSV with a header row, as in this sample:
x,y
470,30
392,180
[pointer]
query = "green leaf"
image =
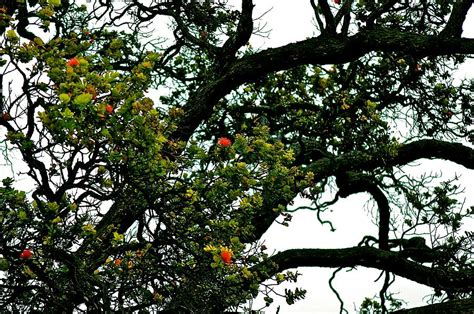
x,y
83,99
64,98
67,113
3,264
11,35
118,236
22,215
7,182
55,3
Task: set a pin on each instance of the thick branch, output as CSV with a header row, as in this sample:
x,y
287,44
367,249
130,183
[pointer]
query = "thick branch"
x,y
384,215
328,17
456,20
23,21
429,148
244,31
373,258
454,306
434,149
359,161
319,50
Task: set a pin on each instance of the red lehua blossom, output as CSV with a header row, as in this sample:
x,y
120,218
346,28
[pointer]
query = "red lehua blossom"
x,y
224,142
6,116
73,62
226,257
26,254
91,90
109,109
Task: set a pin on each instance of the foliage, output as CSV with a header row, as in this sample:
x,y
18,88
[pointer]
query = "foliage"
x,y
159,203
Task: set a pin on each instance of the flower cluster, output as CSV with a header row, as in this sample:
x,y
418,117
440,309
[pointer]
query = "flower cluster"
x,y
221,254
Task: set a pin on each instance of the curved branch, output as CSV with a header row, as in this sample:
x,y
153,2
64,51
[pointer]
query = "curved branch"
x,y
244,31
317,50
458,15
34,164
352,183
454,306
23,22
330,166
372,258
428,148
334,290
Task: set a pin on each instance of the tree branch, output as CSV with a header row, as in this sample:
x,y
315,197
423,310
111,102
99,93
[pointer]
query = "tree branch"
x,y
359,161
453,306
328,18
318,50
376,13
372,258
351,183
458,15
244,31
428,148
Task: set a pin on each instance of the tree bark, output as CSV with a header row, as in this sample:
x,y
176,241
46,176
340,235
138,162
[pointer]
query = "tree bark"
x,y
372,258
455,306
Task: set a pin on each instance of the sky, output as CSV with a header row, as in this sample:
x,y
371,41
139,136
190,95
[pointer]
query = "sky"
x,y
290,21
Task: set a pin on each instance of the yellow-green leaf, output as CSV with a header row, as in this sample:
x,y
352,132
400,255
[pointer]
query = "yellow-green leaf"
x,y
55,3
64,98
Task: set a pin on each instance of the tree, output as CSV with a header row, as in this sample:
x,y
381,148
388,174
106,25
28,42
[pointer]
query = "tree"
x,y
142,203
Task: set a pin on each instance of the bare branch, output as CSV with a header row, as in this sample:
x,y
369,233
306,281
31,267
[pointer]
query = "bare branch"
x,y
453,306
458,15
244,31
328,17
372,258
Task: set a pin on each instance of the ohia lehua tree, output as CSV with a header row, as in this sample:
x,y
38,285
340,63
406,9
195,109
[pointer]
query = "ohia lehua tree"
x,y
141,202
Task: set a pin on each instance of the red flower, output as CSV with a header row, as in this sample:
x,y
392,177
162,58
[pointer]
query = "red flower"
x,y
91,90
224,142
109,109
6,116
117,262
337,1
226,257
26,254
73,62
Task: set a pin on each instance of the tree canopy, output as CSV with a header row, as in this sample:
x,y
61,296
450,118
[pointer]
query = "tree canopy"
x,y
147,203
